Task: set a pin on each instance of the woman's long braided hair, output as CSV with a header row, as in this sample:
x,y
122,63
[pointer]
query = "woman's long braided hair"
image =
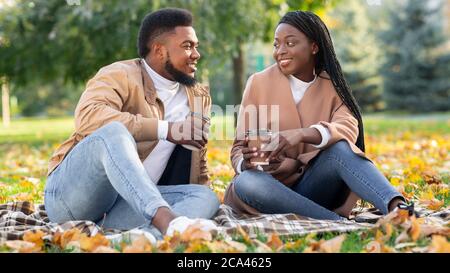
x,y
314,28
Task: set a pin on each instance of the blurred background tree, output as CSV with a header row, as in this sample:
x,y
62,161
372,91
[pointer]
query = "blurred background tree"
x,y
416,67
359,52
53,46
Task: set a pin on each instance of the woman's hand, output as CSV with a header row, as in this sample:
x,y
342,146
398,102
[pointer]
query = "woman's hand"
x,y
248,153
283,141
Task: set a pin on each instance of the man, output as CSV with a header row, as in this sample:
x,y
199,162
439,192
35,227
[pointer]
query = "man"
x,y
127,164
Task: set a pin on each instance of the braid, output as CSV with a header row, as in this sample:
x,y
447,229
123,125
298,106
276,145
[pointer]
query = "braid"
x,y
314,28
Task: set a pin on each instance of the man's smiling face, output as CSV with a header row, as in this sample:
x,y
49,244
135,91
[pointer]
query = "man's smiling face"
x,y
181,55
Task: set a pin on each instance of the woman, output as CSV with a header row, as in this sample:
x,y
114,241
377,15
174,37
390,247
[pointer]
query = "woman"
x,y
317,167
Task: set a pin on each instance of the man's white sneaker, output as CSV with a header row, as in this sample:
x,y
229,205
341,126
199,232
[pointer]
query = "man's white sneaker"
x,y
181,223
131,235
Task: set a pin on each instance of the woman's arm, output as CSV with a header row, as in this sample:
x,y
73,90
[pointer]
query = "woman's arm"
x,y
240,153
343,125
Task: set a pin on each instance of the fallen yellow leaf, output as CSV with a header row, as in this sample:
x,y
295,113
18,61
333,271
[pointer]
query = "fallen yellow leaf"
x,y
34,237
333,245
274,242
139,245
439,244
91,243
414,231
195,232
23,246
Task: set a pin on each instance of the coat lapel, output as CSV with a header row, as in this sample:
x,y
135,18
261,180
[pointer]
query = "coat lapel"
x,y
289,117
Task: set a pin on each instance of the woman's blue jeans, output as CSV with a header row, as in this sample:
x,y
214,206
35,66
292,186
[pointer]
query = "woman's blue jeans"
x,y
103,180
322,188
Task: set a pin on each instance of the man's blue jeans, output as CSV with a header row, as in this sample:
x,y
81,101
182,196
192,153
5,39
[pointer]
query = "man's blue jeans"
x,y
324,184
103,180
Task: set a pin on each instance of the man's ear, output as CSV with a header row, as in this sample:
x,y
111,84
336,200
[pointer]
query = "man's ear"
x,y
159,50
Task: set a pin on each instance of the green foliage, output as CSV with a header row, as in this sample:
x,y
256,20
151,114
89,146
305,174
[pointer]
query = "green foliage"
x,y
415,68
358,52
45,44
48,40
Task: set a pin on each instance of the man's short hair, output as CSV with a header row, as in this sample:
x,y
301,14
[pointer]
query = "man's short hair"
x,y
159,22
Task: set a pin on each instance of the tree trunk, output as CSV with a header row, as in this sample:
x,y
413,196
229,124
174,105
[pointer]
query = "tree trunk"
x,y
238,77
5,102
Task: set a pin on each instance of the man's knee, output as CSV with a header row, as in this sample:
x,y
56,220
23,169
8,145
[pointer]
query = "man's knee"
x,y
114,128
208,197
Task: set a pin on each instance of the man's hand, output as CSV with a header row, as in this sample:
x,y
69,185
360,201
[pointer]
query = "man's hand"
x,y
192,131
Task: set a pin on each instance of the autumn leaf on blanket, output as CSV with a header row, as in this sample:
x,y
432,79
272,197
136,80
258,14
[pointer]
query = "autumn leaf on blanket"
x,y
388,229
197,246
237,246
373,247
395,217
261,247
23,246
428,229
91,243
274,242
244,235
139,245
332,245
439,244
34,237
62,239
414,230
195,232
378,247
105,249
169,243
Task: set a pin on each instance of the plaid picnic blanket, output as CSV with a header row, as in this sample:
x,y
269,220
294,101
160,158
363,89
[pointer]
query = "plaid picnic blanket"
x,y
282,224
18,217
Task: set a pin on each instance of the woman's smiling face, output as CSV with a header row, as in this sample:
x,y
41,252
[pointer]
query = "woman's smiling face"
x,y
293,51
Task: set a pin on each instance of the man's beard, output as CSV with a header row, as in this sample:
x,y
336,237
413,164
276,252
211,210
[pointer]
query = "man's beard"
x,y
179,76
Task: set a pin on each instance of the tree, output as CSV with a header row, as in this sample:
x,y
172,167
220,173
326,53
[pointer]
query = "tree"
x,y
48,40
415,59
359,52
50,43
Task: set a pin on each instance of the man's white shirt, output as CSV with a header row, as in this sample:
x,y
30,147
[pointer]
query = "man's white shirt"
x,y
176,108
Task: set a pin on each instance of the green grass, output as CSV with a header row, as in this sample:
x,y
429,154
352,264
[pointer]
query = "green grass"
x,y
376,124
35,131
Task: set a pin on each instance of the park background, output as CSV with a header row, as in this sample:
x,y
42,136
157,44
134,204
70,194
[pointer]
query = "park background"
x,y
395,56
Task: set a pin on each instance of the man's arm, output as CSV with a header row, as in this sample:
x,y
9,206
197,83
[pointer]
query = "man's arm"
x,y
102,102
